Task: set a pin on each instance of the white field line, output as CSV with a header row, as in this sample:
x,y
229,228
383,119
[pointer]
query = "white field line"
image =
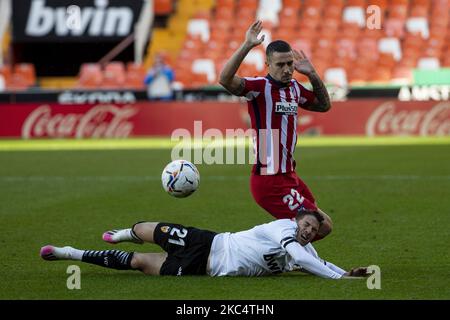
x,y
212,178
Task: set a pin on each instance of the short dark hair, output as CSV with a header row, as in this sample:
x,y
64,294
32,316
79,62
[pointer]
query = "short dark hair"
x,y
303,212
277,46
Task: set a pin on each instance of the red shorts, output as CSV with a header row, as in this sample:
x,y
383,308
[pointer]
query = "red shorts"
x,y
282,195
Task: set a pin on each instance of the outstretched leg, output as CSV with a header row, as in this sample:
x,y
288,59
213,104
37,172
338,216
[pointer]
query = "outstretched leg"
x,y
115,259
148,263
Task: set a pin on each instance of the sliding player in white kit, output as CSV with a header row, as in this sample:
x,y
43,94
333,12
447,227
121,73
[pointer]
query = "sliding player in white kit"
x,y
279,246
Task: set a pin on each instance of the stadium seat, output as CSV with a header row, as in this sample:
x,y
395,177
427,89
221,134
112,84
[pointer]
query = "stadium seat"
x,y
356,3
386,60
198,80
200,28
26,72
390,45
114,75
429,63
303,44
350,30
446,60
90,76
394,27
336,76
418,25
419,10
255,57
204,66
380,74
355,15
358,76
225,3
6,72
268,11
224,14
135,75
2,83
163,7
248,4
401,75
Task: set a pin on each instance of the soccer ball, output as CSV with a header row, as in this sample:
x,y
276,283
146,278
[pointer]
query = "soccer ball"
x,y
180,178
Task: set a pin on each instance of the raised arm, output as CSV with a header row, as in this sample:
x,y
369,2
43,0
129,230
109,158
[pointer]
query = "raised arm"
x,y
303,65
228,78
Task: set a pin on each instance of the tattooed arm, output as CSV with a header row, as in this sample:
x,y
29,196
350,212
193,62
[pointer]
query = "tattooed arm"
x,y
322,100
228,78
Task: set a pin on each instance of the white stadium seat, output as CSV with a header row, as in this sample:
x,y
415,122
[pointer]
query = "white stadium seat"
x,y
429,63
418,25
336,76
354,15
255,57
390,45
199,27
205,66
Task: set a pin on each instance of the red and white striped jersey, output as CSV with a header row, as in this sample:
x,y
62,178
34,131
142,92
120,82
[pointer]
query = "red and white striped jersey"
x,y
273,109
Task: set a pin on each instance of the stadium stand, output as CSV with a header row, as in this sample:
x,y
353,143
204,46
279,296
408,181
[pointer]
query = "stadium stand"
x,y
333,34
200,35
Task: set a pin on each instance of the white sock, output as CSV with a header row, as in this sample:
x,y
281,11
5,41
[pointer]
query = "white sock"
x,y
76,254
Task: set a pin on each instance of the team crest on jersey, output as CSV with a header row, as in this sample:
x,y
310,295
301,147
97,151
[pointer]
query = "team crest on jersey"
x,y
165,229
286,108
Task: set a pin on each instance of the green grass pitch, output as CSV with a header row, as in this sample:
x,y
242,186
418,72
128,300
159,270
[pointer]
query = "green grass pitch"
x,y
389,200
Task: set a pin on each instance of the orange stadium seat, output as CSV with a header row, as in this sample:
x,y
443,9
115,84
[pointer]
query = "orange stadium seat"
x,y
26,72
224,14
114,75
6,72
380,74
225,3
135,75
90,76
22,77
248,4
446,60
293,4
199,80
356,3
163,7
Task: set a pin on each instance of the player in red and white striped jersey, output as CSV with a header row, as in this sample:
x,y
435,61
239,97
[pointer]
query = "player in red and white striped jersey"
x,y
273,103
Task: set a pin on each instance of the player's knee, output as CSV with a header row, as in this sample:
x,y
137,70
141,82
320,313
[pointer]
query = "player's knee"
x,y
145,230
139,227
137,261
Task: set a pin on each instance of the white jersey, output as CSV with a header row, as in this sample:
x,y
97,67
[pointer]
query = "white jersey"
x,y
266,249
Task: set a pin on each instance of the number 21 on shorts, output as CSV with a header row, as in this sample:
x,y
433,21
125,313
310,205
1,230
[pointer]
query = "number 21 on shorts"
x,y
180,234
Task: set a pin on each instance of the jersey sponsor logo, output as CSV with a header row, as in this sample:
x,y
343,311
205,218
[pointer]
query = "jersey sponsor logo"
x,y
272,263
286,108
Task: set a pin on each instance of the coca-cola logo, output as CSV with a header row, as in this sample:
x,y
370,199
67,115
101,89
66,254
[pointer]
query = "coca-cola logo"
x,y
386,119
102,121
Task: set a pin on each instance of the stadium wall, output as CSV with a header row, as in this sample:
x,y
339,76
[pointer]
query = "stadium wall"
x,y
370,117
